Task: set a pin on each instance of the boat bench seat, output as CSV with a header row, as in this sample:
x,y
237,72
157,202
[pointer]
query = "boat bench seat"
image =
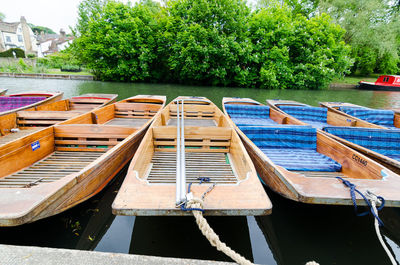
x,y
293,147
249,115
247,111
253,121
375,116
385,142
308,114
9,103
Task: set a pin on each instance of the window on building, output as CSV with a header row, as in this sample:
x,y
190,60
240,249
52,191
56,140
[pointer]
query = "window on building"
x,y
8,39
20,38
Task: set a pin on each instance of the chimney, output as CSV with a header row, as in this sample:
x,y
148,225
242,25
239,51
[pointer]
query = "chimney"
x,y
22,19
62,34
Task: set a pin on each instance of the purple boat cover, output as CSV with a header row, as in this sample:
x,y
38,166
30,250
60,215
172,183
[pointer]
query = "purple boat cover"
x,y
10,103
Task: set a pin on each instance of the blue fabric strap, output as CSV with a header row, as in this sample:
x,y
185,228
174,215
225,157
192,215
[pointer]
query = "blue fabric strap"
x,y
353,189
183,207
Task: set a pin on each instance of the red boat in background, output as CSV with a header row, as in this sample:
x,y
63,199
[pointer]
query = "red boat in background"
x,y
384,82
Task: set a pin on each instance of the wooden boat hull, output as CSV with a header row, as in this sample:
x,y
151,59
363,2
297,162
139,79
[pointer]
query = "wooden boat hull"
x,y
50,97
212,150
83,169
323,187
3,92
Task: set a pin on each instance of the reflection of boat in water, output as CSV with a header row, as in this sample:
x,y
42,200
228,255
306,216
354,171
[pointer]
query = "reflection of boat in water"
x,y
81,227
178,236
297,233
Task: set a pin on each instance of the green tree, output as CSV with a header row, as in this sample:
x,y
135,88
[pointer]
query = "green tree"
x,y
371,29
211,46
39,29
2,16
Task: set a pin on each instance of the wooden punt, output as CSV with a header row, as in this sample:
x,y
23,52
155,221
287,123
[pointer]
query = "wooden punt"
x,y
52,170
316,187
3,92
342,117
212,149
336,118
21,101
21,123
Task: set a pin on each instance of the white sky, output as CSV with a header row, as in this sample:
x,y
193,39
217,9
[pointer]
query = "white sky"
x,y
54,14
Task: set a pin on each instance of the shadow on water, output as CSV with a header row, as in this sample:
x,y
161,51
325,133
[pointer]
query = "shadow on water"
x,y
180,237
298,233
81,227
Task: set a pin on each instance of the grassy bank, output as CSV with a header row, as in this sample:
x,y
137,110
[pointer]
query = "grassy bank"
x,y
353,80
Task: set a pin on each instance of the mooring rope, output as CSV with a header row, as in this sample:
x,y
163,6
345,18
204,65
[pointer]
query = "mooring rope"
x,y
370,199
196,206
374,199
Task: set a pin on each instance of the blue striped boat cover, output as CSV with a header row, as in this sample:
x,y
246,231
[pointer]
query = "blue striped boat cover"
x,y
302,160
253,121
249,115
291,146
385,142
247,111
376,116
307,113
282,137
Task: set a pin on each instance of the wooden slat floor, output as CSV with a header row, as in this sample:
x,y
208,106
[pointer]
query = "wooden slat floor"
x,y
128,122
54,167
194,122
211,165
13,136
321,174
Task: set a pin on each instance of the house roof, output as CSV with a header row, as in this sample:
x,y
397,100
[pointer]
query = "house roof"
x,y
9,27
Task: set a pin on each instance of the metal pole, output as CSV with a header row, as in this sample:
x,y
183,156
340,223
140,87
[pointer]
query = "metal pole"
x,y
183,162
178,158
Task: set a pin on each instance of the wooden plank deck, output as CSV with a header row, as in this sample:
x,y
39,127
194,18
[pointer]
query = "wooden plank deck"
x,y
128,122
198,165
194,122
56,166
13,136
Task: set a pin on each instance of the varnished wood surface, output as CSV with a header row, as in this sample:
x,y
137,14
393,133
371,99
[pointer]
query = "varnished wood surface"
x,y
48,179
323,187
149,187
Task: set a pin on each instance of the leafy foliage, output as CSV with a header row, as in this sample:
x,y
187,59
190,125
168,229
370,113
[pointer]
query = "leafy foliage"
x,y
372,29
19,53
39,29
212,42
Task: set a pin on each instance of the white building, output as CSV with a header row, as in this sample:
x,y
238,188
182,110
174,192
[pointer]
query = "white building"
x,y
51,43
17,35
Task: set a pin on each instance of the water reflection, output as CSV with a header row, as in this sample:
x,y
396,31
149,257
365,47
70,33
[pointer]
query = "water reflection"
x,y
298,233
180,237
294,234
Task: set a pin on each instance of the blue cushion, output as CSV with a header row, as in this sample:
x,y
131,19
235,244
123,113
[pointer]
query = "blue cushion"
x,y
376,116
385,142
253,121
302,160
317,124
293,147
247,111
306,113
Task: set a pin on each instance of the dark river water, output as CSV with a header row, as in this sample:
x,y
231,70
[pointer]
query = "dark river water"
x,y
294,234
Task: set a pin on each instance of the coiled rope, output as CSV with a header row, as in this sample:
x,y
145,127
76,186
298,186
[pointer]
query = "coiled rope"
x,y
371,200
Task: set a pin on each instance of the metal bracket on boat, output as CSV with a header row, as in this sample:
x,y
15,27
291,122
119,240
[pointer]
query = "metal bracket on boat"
x,y
33,183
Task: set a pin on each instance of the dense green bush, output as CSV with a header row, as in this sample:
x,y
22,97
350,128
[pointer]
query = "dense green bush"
x,y
210,42
19,53
57,60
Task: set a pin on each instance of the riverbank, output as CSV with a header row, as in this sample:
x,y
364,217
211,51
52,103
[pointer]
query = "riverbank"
x,y
48,76
37,255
